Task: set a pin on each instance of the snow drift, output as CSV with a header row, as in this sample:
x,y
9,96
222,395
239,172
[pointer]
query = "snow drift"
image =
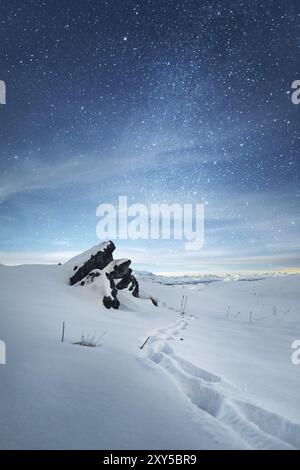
x,y
215,378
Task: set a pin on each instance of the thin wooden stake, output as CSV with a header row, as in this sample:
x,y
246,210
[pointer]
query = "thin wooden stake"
x,y
63,332
145,342
184,305
100,337
228,310
181,305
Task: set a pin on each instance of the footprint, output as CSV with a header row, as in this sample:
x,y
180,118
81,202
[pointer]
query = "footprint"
x,y
272,423
257,427
256,437
206,396
197,371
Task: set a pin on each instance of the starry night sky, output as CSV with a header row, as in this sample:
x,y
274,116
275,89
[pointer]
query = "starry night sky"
x,y
162,101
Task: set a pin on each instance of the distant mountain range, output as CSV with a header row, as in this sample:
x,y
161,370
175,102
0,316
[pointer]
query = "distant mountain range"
x,y
205,278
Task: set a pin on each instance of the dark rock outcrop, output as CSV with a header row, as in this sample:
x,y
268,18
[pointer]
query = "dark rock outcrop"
x,y
134,287
119,268
98,261
100,265
130,282
111,300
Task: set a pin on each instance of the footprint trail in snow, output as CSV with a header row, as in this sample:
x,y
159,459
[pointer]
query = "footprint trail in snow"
x,y
256,427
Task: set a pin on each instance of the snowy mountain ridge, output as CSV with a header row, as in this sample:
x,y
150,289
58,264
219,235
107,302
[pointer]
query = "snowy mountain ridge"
x,y
206,278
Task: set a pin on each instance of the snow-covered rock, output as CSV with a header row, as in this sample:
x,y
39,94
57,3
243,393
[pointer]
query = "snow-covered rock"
x,y
97,257
98,264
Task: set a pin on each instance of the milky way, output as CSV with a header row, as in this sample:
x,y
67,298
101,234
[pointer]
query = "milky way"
x,y
163,101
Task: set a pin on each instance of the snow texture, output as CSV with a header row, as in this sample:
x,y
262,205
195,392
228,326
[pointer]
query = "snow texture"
x,y
216,377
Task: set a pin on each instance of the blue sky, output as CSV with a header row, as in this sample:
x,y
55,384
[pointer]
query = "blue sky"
x,y
159,101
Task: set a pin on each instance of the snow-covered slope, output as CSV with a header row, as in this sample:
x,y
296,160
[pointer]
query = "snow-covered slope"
x,y
211,379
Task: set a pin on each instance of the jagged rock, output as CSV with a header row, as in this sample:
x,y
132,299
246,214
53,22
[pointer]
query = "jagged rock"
x,y
130,282
118,268
125,281
97,266
98,260
111,300
90,277
134,287
108,302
